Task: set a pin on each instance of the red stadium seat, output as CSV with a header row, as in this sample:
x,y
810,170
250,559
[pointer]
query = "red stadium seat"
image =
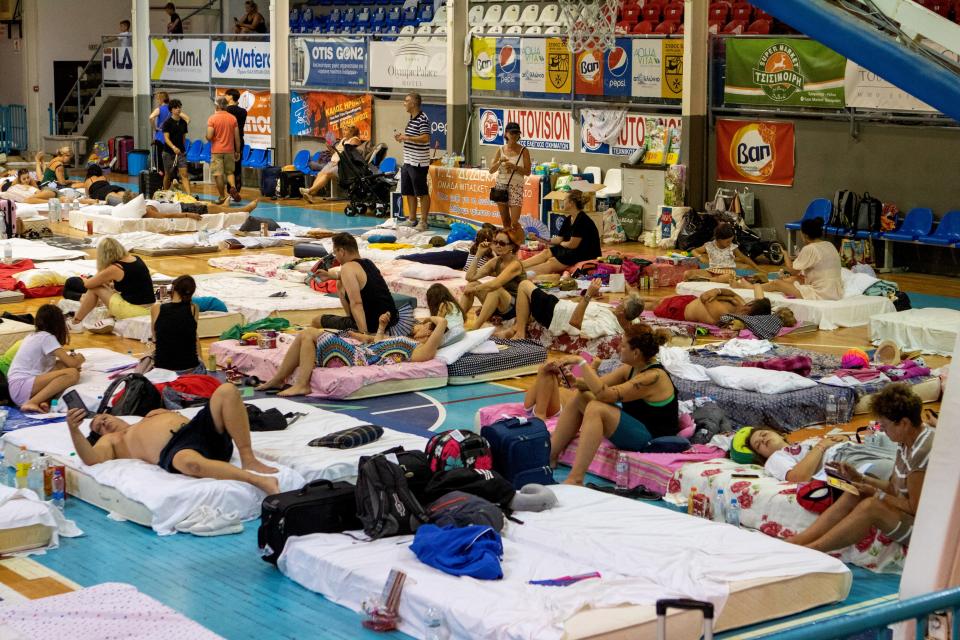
x,y
714,26
680,29
651,13
742,11
673,12
667,26
940,7
760,14
735,27
719,11
761,27
642,28
630,14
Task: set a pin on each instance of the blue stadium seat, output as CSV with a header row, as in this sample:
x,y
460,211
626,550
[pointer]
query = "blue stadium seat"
x,y
389,165
245,154
294,18
947,232
916,225
257,159
819,208
426,14
301,161
205,152
194,151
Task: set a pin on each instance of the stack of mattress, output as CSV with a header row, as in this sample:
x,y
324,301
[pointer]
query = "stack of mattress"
x,y
12,332
105,223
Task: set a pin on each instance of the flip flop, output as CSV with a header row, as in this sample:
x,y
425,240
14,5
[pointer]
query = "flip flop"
x,y
273,392
639,492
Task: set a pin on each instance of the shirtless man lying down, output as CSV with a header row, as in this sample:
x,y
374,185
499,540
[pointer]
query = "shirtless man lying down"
x,y
200,447
707,308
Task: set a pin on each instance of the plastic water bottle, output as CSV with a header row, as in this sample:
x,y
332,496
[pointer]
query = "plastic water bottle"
x,y
483,162
7,252
203,237
23,468
10,472
58,489
35,475
276,191
623,473
831,410
719,512
733,513
434,626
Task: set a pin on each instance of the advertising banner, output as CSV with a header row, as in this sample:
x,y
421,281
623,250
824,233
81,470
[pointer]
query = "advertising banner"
x,y
656,67
316,113
539,128
589,72
408,64
866,90
437,114
465,193
257,130
617,74
781,72
546,66
559,66
658,134
334,63
236,60
117,64
483,74
183,60
755,152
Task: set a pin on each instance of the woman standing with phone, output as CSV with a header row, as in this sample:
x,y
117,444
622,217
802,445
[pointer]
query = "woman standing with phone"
x,y
511,164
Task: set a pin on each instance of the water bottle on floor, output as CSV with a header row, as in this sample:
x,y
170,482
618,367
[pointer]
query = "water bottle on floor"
x,y
831,410
58,489
4,479
623,473
435,628
7,252
23,468
719,511
733,513
35,476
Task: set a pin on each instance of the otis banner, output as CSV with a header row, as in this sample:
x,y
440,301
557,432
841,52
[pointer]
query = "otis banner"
x,y
539,129
256,132
788,71
333,63
315,113
465,194
183,60
755,152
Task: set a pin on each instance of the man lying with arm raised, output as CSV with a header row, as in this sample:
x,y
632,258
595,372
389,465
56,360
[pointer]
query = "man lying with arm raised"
x,y
200,447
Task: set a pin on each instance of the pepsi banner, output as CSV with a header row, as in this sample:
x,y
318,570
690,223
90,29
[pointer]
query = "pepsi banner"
x,y
550,130
437,115
334,63
659,135
240,60
496,64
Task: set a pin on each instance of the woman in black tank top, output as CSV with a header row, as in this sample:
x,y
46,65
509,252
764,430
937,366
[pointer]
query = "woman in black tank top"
x,y
176,345
122,284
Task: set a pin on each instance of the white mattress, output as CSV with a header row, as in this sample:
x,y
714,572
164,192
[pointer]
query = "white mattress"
x,y
931,330
21,508
110,610
40,251
12,331
386,255
249,295
105,223
671,555
852,311
210,325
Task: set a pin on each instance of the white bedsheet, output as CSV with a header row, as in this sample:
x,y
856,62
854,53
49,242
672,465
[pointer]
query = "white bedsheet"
x,y
105,223
110,610
670,555
40,251
22,508
852,311
249,295
931,330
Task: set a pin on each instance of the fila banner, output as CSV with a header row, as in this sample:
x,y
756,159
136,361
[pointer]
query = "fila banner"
x,y
117,63
755,152
256,131
183,60
546,129
240,60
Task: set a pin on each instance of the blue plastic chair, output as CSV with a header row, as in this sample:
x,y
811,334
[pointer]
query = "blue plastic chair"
x,y
205,152
916,225
301,161
245,155
256,160
819,208
194,151
947,232
389,165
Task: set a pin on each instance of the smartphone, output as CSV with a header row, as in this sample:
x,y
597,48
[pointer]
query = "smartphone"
x,y
839,482
577,370
73,401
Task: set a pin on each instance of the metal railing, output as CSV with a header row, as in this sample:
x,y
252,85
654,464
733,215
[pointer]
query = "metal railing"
x,y
13,128
917,609
76,93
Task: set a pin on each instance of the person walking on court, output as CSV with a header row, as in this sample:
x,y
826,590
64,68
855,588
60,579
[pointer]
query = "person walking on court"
x,y
174,151
238,112
416,161
224,137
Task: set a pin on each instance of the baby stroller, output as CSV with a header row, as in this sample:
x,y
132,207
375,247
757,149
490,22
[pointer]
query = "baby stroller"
x,y
698,228
368,190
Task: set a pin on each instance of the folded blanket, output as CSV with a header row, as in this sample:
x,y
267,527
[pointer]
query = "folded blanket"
x,y
473,551
800,365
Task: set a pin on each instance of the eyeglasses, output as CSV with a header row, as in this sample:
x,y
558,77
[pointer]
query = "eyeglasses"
x,y
501,243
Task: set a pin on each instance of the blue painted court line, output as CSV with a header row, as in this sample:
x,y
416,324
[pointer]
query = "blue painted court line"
x,y
925,300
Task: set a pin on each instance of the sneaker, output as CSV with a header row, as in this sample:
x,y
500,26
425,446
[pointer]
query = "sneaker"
x,y
101,327
75,327
423,226
409,223
235,194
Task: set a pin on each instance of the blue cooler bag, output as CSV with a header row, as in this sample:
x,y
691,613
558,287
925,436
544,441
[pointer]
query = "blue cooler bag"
x,y
521,450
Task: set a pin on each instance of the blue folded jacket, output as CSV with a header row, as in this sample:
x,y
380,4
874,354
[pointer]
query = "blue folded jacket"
x,y
473,551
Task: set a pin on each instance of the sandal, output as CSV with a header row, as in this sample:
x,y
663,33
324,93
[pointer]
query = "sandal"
x,y
639,492
273,392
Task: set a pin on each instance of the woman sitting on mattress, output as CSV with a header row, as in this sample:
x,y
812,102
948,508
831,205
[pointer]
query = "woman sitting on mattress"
x,y
442,303
176,345
122,284
630,406
485,235
815,273
54,175
722,257
321,348
499,296
577,240
42,367
562,316
24,189
888,505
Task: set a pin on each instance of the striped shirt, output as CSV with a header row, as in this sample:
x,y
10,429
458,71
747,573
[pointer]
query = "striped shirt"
x,y
910,460
417,153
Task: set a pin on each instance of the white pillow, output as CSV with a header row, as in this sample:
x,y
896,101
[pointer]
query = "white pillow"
x,y
136,208
473,339
422,271
758,380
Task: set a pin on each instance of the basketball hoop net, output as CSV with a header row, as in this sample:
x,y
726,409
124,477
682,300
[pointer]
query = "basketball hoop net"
x,y
591,23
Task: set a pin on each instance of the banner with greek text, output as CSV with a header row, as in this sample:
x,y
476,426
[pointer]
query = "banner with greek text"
x,y
317,114
465,194
240,60
539,128
755,152
333,63
408,64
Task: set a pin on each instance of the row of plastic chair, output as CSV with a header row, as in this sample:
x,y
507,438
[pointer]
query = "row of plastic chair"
x,y
531,15
303,158
379,20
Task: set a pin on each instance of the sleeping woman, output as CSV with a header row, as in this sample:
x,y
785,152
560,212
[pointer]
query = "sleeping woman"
x,y
321,348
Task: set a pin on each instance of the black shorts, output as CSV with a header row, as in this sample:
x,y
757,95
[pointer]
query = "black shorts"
x,y
566,257
100,189
200,435
193,207
542,305
413,180
339,323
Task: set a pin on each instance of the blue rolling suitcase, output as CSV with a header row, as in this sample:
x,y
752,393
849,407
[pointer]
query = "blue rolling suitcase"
x,y
521,450
269,177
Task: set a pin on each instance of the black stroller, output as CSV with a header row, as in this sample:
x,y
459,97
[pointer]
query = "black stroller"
x,y
368,190
698,228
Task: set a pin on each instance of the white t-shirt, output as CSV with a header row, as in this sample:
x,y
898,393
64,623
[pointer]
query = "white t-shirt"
x,y
598,321
781,462
34,357
164,207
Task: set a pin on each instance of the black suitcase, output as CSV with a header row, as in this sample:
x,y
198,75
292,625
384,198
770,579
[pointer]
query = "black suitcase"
x,y
268,181
150,182
290,184
321,506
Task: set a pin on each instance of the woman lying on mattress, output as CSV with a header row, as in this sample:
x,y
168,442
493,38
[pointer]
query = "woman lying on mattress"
x,y
499,295
577,240
43,367
815,273
888,505
321,348
23,188
122,284
562,316
630,406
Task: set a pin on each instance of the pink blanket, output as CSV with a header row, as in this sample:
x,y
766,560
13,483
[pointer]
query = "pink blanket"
x,y
334,382
414,287
652,470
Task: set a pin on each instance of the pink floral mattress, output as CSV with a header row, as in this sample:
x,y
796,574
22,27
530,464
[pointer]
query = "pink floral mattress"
x,y
714,330
668,274
603,348
267,265
333,382
652,470
771,507
414,287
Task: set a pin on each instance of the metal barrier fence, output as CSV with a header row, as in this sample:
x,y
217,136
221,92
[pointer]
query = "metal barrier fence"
x,y
13,128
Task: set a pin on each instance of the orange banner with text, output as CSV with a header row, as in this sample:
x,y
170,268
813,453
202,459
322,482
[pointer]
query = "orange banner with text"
x,y
465,193
756,152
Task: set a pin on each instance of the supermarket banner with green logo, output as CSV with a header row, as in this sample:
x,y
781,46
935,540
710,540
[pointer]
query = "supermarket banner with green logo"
x,y
784,72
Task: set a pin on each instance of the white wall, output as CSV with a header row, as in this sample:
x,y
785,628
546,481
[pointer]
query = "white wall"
x,y
11,88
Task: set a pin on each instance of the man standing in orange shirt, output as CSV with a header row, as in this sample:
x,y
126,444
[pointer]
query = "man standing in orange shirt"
x,y
224,137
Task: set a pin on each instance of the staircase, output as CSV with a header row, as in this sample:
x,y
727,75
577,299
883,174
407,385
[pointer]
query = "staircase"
x,y
899,40
79,101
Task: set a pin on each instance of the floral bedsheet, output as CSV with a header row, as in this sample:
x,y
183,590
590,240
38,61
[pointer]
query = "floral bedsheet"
x,y
267,265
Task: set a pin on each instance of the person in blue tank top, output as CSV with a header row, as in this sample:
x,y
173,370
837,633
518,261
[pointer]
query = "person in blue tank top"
x,y
157,118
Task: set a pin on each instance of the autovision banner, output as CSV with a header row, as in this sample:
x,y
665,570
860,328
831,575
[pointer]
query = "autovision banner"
x,y
240,60
546,129
181,60
787,71
334,63
659,135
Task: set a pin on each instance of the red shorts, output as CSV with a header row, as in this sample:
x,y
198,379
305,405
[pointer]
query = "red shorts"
x,y
672,307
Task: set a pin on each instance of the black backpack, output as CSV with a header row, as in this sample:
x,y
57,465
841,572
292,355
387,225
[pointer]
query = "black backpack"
x,y
139,397
845,205
416,469
489,485
270,420
459,509
869,213
385,505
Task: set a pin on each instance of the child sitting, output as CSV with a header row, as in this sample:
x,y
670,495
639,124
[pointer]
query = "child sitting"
x,y
722,255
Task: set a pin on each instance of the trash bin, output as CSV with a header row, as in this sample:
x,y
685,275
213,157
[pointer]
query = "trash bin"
x,y
138,160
